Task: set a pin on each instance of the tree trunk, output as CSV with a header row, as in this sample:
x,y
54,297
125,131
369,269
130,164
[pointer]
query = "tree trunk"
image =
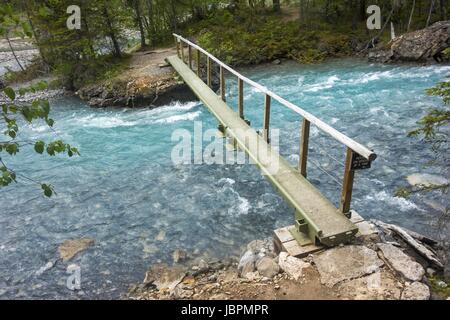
x,y
151,23
137,9
35,35
442,10
276,6
411,15
173,15
430,13
13,52
112,34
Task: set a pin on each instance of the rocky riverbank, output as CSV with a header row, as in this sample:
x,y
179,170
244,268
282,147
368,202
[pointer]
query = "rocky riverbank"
x,y
378,265
426,45
147,81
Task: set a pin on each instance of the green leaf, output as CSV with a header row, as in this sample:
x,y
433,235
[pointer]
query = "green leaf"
x,y
12,149
39,147
10,93
50,122
48,192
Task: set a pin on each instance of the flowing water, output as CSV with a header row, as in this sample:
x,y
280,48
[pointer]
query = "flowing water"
x,y
125,192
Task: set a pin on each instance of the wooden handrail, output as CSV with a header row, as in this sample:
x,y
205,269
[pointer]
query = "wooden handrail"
x,y
342,138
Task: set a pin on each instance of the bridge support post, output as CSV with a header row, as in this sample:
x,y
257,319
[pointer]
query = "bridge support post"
x,y
347,189
304,146
190,56
209,72
198,64
266,128
177,43
182,52
241,98
222,84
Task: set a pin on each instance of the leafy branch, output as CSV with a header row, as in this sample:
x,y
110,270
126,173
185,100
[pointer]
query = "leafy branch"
x,y
38,109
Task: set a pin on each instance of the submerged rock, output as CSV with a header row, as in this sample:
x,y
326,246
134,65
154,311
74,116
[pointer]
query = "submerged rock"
x,y
179,256
345,263
292,266
70,248
401,262
45,268
426,180
164,277
416,291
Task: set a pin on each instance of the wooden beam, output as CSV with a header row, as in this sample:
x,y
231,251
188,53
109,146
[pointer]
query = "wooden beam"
x,y
324,220
347,189
178,47
198,64
266,119
209,72
304,146
357,147
182,52
190,56
222,84
241,98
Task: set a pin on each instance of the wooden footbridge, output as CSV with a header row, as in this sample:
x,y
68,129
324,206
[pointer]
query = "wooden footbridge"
x,y
317,220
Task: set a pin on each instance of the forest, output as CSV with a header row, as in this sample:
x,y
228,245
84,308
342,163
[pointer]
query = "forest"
x,y
239,32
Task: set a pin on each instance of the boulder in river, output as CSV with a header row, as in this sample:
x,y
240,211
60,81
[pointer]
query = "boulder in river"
x,y
426,180
70,248
418,46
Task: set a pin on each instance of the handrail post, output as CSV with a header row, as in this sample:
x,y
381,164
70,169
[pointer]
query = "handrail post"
x,y
266,118
222,83
241,98
190,56
182,52
177,42
304,146
209,72
347,188
198,63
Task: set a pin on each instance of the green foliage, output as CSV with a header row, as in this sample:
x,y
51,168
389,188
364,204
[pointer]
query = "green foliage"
x,y
266,38
439,286
437,119
10,115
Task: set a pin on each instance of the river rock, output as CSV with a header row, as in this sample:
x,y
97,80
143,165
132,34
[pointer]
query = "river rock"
x,y
45,268
401,262
426,180
179,256
247,263
70,248
420,46
292,266
345,263
416,291
164,277
381,285
267,267
262,247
